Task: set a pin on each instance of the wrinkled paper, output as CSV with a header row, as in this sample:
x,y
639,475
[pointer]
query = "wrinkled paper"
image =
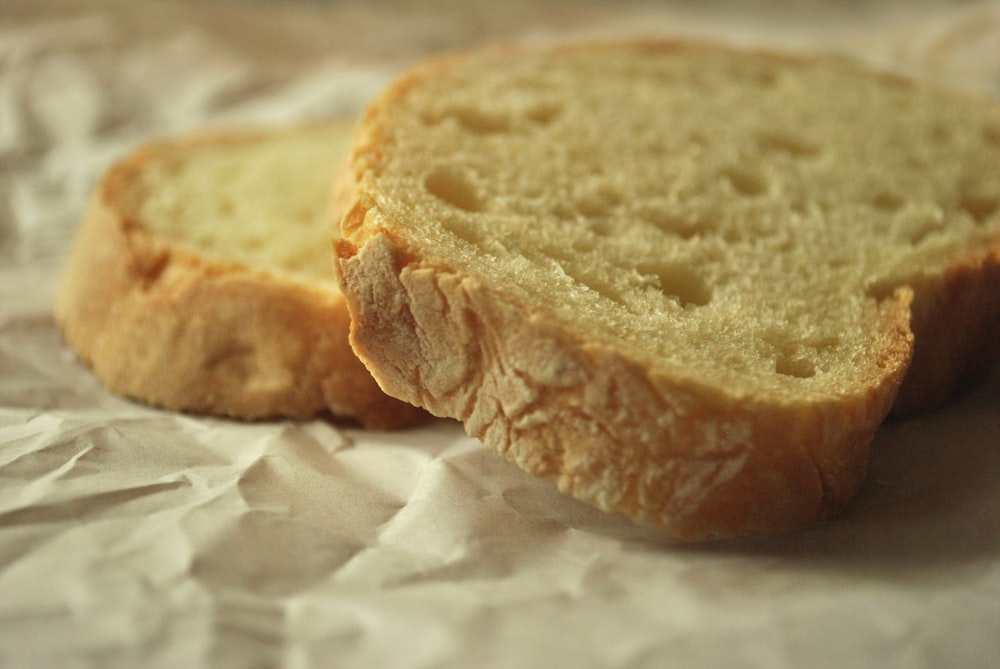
x,y
131,537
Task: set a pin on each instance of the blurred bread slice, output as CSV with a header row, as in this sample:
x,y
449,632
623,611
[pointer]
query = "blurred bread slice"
x,y
200,280
682,281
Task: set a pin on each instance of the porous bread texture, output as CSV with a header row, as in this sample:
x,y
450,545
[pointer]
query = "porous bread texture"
x,y
200,280
680,280
256,198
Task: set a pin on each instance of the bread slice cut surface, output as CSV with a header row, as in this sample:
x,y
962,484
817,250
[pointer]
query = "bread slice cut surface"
x,y
682,281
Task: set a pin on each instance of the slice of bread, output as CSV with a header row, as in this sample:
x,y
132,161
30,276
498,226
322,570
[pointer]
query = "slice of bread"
x,y
200,280
682,281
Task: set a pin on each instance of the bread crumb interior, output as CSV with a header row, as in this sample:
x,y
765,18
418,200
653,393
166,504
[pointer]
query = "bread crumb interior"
x,y
260,200
741,214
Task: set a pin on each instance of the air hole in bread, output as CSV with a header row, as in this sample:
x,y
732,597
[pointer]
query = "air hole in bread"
x,y
593,207
887,201
980,206
916,223
544,114
678,282
563,209
796,366
745,182
766,78
481,121
674,224
785,143
919,234
942,132
454,188
533,190
583,245
991,134
917,161
598,203
601,227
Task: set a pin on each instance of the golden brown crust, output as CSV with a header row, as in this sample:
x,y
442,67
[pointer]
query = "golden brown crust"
x,y
164,325
605,429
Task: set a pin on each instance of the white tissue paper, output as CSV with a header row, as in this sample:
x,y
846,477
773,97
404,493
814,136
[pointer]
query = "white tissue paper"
x,y
131,537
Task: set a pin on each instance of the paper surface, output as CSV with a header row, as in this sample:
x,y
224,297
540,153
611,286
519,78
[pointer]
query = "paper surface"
x,y
131,537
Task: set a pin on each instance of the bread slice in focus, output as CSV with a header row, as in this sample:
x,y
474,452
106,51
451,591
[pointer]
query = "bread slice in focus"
x,y
200,280
682,281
